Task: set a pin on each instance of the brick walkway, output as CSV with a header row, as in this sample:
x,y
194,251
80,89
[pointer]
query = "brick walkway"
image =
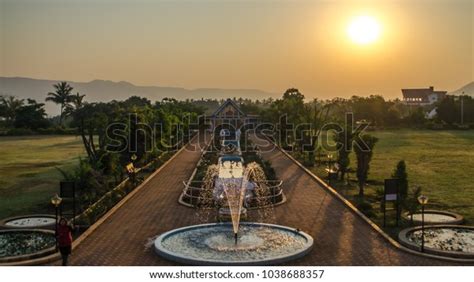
x,y
341,238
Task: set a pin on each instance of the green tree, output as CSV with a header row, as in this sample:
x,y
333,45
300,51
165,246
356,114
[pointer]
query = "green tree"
x,y
76,102
449,109
291,107
400,173
416,117
315,114
364,148
343,139
61,96
32,116
10,106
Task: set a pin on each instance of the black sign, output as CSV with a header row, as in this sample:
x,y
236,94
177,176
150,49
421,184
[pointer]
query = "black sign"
x,y
67,189
391,189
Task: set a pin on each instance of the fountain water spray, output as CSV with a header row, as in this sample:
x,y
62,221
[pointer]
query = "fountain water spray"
x,y
234,189
205,200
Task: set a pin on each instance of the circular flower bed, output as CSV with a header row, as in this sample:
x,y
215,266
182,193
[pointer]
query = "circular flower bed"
x,y
444,240
435,217
18,245
29,221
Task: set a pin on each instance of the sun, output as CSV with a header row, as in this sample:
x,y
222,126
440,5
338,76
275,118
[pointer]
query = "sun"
x,y
363,30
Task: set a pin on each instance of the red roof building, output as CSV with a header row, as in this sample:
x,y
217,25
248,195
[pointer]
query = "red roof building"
x,y
422,96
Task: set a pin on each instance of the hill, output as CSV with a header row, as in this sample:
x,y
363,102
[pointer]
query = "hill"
x,y
106,90
468,89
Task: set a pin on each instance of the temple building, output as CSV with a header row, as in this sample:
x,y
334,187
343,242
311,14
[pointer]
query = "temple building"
x,y
229,113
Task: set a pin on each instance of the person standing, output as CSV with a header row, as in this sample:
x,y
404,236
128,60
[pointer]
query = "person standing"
x,y
64,239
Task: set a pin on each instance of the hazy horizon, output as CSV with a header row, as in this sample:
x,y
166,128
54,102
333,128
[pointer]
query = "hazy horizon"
x,y
265,45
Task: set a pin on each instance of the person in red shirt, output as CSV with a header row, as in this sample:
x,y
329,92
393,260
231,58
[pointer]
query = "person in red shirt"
x,y
64,239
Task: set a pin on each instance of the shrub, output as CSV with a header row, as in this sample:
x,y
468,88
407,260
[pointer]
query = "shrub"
x,y
401,174
20,132
366,208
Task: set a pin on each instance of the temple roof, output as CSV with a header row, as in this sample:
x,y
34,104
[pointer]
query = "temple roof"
x,y
225,104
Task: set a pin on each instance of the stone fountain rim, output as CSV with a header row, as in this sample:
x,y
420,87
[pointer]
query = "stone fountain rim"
x,y
403,239
457,218
179,258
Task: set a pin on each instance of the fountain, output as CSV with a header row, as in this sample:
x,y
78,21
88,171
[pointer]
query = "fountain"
x,y
214,244
228,188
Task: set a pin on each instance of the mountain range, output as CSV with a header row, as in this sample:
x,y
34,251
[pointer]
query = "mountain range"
x,y
106,90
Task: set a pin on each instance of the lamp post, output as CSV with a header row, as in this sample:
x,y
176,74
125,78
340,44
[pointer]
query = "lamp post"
x,y
329,168
56,201
423,200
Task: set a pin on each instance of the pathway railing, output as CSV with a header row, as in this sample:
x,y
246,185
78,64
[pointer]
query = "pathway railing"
x,y
192,193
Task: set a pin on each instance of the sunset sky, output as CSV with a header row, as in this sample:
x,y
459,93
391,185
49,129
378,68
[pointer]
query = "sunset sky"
x,y
268,45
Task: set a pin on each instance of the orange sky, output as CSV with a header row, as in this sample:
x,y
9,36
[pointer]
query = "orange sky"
x,y
268,45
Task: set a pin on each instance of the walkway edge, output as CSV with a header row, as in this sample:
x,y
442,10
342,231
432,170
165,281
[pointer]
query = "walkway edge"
x,y
352,208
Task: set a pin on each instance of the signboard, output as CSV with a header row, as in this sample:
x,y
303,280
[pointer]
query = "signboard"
x,y
67,189
391,195
391,189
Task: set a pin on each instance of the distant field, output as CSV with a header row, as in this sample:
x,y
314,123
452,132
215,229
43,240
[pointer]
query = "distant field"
x,y
441,162
28,174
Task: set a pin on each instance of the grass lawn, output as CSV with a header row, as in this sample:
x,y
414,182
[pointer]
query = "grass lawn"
x,y
440,162
28,174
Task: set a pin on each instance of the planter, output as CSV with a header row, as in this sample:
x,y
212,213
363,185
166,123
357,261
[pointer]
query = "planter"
x,y
34,221
455,241
435,217
25,244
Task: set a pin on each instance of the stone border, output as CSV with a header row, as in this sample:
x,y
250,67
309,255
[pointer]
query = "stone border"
x,y
26,257
457,218
356,211
93,227
4,221
403,238
203,151
186,204
163,252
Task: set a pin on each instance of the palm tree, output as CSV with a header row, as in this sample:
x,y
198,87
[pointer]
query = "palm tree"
x,y
10,105
61,96
76,102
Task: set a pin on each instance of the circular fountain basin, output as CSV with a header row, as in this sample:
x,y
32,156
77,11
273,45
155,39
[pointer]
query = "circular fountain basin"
x,y
445,240
435,217
214,244
24,244
29,221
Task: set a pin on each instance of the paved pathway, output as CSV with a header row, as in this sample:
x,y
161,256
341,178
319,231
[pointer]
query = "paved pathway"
x,y
125,238
341,238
